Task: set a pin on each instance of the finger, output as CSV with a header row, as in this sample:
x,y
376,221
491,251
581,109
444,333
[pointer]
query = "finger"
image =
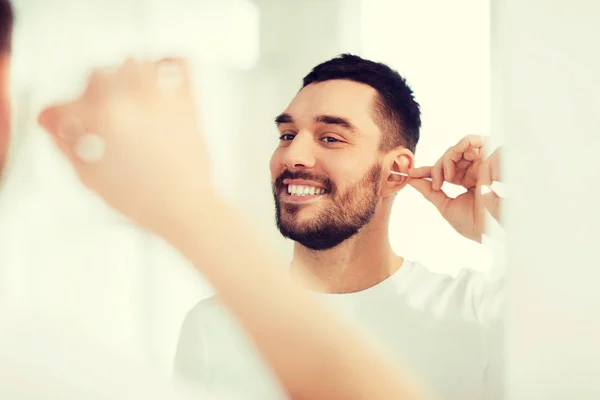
x,y
472,154
63,134
461,156
437,198
172,74
463,165
421,172
494,165
64,127
139,76
492,202
449,169
484,151
488,198
437,176
484,175
467,149
165,75
99,82
471,142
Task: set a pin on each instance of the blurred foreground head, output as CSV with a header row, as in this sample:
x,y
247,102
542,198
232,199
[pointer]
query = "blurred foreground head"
x,y
6,24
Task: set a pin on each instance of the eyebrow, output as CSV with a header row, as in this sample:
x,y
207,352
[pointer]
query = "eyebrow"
x,y
284,119
319,119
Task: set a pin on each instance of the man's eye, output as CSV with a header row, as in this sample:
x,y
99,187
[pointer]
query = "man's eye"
x,y
286,137
329,139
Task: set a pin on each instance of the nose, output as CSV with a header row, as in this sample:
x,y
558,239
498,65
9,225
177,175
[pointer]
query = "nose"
x,y
300,153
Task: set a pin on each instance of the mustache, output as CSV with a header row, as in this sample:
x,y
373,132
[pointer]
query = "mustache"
x,y
287,174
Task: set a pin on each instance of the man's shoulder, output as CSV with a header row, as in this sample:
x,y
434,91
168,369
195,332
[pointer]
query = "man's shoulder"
x,y
212,321
53,357
424,277
210,313
216,351
462,294
208,306
211,335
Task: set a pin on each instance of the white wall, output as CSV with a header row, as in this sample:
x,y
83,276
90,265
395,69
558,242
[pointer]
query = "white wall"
x,y
550,96
443,49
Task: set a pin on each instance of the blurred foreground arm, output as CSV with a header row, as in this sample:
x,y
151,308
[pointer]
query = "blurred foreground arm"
x,y
133,138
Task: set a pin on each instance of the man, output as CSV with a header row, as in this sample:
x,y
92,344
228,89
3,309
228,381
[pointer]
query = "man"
x,y
343,138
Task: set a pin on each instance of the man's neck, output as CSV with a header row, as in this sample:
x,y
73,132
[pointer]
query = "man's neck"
x,y
357,264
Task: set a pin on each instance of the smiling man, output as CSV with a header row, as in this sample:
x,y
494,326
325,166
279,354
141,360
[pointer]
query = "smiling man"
x,y
341,137
353,124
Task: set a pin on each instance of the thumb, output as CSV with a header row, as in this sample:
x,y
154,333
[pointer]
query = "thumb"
x,y
63,130
425,187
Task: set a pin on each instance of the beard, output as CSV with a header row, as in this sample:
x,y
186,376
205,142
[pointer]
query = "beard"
x,y
346,212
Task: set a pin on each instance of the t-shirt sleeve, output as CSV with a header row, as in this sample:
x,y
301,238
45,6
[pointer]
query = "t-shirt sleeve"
x,y
216,355
191,356
52,358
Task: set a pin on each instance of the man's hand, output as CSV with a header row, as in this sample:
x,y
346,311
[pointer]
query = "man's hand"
x,y
133,138
462,165
489,172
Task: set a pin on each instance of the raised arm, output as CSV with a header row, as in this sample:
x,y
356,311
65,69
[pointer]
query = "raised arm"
x,y
133,138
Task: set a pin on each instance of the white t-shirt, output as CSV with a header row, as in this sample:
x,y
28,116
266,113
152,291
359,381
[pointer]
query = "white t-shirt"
x,y
445,331
43,358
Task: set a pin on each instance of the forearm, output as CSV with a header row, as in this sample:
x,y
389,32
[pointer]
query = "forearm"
x,y
312,352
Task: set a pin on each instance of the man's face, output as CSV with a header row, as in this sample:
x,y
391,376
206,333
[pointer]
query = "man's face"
x,y
4,109
326,171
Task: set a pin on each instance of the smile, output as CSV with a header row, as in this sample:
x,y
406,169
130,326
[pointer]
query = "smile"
x,y
302,193
304,190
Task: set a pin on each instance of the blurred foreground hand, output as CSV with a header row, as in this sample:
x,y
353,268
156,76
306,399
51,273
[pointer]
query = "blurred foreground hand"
x,y
133,138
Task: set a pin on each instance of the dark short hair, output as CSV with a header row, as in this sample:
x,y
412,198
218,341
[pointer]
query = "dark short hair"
x,y
6,25
395,111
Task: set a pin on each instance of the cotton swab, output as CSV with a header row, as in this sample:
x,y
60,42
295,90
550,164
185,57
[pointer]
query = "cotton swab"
x,y
404,174
496,187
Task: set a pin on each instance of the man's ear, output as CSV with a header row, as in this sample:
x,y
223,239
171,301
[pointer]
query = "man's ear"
x,y
398,160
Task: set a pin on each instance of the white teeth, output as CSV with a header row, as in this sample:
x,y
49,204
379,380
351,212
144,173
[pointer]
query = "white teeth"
x,y
299,190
